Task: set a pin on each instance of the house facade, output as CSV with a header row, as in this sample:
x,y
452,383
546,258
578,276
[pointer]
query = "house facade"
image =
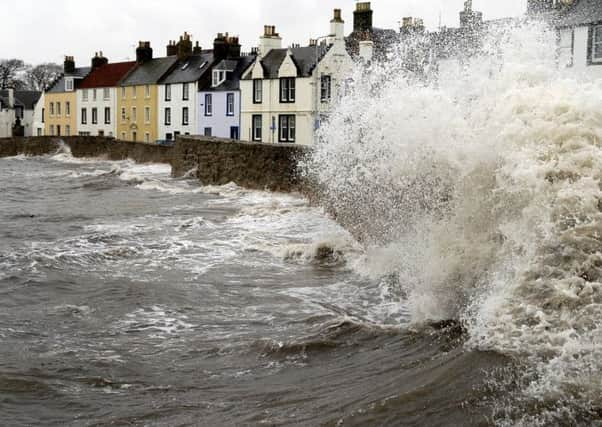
x,y
39,116
138,95
285,92
97,97
17,112
60,101
219,98
178,90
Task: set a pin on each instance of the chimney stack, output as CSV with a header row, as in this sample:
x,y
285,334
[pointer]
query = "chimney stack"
x,y
367,50
144,53
99,60
69,65
270,40
362,17
184,47
172,49
197,49
337,28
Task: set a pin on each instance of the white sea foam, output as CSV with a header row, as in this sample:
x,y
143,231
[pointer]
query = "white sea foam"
x,y
483,195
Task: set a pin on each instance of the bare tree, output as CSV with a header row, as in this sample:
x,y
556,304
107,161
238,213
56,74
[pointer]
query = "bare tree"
x,y
9,73
42,75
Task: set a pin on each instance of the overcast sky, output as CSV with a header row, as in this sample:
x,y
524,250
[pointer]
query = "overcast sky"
x,y
42,30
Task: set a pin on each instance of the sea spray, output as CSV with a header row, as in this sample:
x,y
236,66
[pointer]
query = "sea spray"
x,y
483,187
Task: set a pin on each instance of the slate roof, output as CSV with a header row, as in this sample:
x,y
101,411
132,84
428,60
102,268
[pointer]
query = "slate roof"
x,y
232,82
59,84
107,75
582,13
191,69
150,72
306,58
24,98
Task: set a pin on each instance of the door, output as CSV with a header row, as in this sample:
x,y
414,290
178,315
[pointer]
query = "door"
x,y
58,130
234,133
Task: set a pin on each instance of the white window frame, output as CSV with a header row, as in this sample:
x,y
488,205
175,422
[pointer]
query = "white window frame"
x,y
147,115
168,92
58,109
85,95
185,116
147,137
51,109
147,91
134,115
185,91
168,116
94,94
208,104
287,128
69,84
84,116
106,94
230,104
67,109
107,115
94,116
257,91
325,88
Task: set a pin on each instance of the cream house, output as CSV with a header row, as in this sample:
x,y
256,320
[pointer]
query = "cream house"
x,y
286,92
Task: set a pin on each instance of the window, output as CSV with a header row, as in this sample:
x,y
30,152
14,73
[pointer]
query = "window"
x,y
39,132
256,127
43,115
219,76
185,92
133,92
134,115
147,91
185,116
51,109
67,130
168,92
325,88
234,132
134,136
94,93
84,116
597,44
58,109
94,116
52,130
85,95
257,91
208,132
68,109
287,89
229,104
167,116
168,136
286,128
123,93
123,136
101,133
106,94
69,85
208,104
147,115
123,116
147,137
107,115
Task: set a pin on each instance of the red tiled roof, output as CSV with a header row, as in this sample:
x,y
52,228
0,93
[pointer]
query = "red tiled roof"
x,y
107,75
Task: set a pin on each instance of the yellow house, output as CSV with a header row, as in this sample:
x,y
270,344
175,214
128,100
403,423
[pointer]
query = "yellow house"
x,y
138,97
60,101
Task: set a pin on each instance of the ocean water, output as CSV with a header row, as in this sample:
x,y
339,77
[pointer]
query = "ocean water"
x,y
128,297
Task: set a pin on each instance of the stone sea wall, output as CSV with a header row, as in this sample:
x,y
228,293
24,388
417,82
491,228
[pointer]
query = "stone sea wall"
x,y
213,161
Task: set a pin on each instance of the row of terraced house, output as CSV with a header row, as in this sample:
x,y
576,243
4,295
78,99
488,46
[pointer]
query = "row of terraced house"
x,y
273,94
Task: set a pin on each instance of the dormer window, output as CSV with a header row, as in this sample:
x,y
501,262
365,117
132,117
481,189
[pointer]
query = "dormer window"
x,y
69,84
219,76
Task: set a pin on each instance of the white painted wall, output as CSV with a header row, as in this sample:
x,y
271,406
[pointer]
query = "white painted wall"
x,y
573,56
7,119
219,122
38,117
100,103
176,104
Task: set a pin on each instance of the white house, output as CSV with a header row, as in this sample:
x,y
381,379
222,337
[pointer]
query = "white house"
x,y
579,25
97,97
284,92
17,112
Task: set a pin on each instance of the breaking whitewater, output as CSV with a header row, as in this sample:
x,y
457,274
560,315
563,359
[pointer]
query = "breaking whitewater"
x,y
482,196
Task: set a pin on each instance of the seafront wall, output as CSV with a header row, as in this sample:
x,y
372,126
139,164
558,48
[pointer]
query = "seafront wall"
x,y
213,161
